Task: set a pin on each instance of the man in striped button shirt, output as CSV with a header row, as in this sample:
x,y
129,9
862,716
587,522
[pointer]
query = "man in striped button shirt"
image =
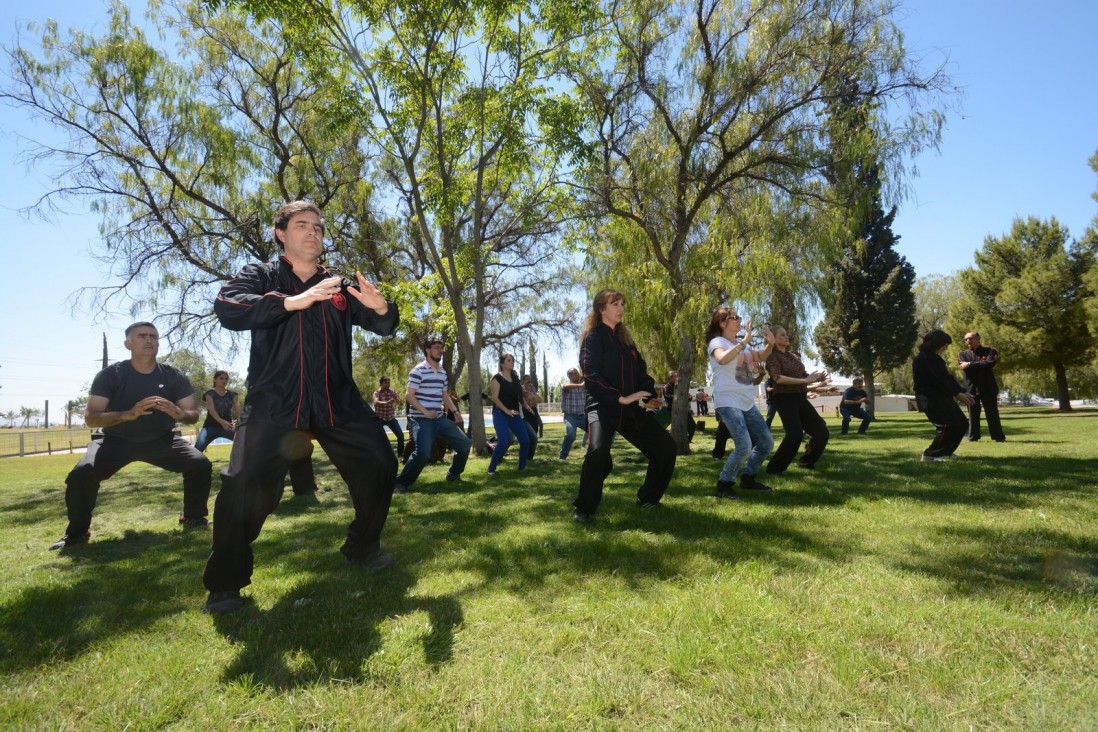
x,y
426,396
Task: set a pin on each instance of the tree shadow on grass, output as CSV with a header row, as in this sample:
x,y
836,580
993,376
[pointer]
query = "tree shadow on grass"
x,y
106,588
979,560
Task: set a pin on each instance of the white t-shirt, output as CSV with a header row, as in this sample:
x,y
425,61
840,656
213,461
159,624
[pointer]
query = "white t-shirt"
x,y
733,382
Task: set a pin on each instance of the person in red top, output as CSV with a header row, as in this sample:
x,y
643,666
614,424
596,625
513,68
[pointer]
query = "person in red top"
x,y
301,318
621,393
385,404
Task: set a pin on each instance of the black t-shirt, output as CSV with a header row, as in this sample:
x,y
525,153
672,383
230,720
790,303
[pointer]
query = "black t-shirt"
x,y
510,392
123,386
223,405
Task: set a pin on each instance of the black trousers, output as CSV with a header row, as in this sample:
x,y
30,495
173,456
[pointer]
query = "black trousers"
x,y
106,457
252,485
798,417
990,403
950,423
720,442
640,428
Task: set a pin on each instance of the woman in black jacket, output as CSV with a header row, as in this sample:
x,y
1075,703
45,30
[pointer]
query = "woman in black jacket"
x,y
619,396
935,391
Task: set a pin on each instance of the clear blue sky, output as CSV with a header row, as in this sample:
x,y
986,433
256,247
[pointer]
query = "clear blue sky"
x,y
1018,146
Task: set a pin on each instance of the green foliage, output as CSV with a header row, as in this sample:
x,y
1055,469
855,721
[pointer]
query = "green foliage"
x,y
1027,296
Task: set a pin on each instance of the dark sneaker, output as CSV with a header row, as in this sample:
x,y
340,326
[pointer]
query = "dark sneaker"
x,y
454,479
400,488
372,561
582,518
648,504
193,523
724,490
748,483
67,541
222,603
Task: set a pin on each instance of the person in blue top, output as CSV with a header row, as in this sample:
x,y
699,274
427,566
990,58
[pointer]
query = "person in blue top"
x,y
853,405
301,318
621,400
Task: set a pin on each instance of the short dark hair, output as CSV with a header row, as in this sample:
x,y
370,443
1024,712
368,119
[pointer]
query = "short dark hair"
x,y
293,208
384,378
142,324
221,373
432,341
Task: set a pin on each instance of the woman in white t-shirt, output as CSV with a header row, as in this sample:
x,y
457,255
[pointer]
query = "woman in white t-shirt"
x,y
735,374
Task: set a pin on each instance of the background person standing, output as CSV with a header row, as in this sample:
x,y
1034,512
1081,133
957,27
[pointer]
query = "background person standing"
x,y
978,363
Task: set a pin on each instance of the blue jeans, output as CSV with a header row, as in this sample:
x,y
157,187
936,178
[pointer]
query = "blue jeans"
x,y
506,425
849,412
206,435
751,438
572,422
394,427
424,432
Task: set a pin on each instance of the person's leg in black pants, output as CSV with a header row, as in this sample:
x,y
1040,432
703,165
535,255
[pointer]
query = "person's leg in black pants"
x,y
361,453
818,434
654,442
720,443
991,414
974,419
788,407
251,488
950,424
100,461
179,456
597,463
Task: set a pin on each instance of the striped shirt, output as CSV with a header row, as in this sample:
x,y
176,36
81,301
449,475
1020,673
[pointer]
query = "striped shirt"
x,y
429,383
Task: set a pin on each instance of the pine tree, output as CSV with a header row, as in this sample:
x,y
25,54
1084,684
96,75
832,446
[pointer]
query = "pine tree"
x,y
869,324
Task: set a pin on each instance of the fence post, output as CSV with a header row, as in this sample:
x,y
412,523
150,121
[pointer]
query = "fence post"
x,y
22,444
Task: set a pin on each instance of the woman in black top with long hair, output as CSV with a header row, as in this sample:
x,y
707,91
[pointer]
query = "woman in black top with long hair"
x,y
619,388
935,392
505,392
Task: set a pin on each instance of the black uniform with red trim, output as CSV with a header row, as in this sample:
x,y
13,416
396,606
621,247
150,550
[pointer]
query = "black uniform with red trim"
x,y
299,378
613,369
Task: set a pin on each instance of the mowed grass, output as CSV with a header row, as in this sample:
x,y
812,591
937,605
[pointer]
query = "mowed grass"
x,y
876,592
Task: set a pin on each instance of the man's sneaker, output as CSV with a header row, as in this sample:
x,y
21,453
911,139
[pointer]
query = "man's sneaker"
x,y
454,479
934,459
222,603
724,490
648,504
67,541
582,518
400,488
372,561
193,523
749,483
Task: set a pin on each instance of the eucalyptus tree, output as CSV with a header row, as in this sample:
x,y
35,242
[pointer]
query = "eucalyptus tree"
x,y
709,126
185,143
457,98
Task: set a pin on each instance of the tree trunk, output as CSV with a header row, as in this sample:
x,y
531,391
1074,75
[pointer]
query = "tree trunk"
x,y
1062,386
681,413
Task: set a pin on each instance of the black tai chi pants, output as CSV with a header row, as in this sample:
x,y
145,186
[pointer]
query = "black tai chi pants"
x,y
990,403
106,457
798,417
252,486
643,432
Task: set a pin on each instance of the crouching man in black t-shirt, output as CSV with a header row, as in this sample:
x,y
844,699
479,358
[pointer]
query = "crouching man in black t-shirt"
x,y
137,403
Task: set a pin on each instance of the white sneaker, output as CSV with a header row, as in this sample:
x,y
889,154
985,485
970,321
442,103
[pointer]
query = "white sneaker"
x,y
930,459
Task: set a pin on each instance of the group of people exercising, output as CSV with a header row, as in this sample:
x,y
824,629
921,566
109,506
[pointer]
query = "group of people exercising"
x,y
301,318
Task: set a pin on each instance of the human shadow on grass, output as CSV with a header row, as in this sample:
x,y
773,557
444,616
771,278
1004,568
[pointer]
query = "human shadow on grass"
x,y
107,588
330,627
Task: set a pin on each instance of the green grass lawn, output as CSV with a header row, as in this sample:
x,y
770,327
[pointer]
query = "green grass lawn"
x,y
876,592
